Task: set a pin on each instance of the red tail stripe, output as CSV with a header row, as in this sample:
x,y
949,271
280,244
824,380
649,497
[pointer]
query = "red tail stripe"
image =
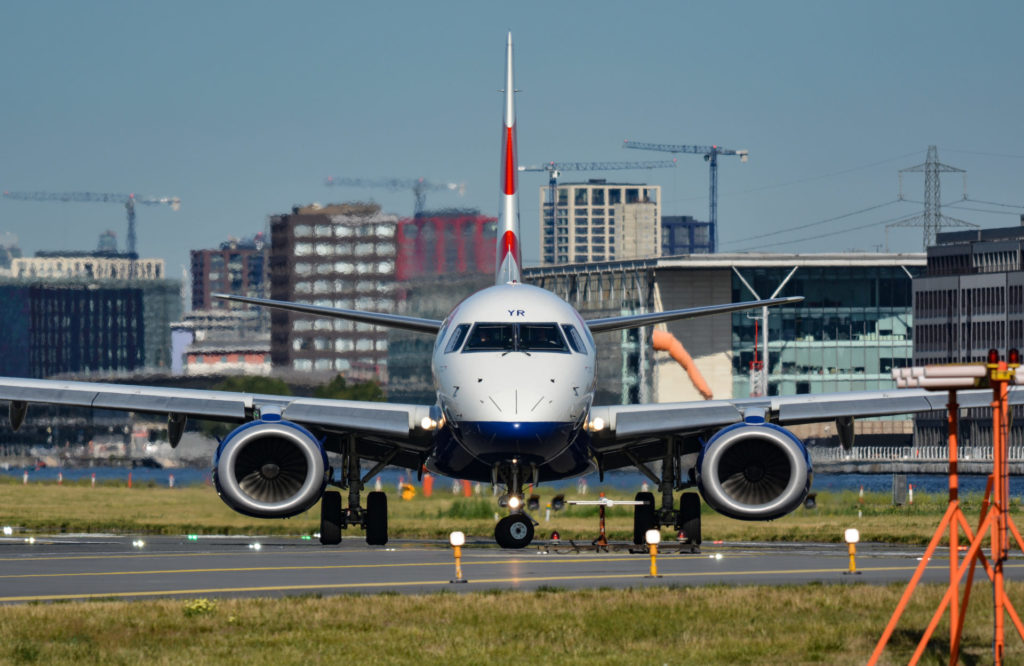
x,y
509,245
510,162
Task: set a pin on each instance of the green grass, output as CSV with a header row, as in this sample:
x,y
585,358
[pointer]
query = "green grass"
x,y
815,624
157,509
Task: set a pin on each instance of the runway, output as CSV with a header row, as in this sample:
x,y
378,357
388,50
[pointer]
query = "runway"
x,y
82,567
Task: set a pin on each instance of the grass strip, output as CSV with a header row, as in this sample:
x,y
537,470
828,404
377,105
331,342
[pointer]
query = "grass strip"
x,y
813,624
153,509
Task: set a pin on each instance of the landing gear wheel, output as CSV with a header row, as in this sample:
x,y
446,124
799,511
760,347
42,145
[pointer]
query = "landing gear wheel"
x,y
376,518
643,517
330,518
689,517
515,531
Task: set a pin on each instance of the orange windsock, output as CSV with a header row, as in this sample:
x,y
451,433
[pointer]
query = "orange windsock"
x,y
665,341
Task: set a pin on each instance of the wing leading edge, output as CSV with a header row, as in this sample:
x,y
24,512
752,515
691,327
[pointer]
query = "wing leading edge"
x,y
378,418
624,425
648,319
417,324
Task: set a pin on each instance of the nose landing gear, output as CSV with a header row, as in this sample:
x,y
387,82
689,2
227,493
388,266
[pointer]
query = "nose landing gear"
x,y
515,531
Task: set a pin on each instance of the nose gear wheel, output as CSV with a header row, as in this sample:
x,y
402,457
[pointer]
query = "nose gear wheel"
x,y
515,531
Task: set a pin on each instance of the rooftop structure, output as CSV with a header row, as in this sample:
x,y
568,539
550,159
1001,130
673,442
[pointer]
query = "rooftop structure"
x,y
87,265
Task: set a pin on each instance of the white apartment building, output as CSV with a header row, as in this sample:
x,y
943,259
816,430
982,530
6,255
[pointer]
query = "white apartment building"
x,y
600,221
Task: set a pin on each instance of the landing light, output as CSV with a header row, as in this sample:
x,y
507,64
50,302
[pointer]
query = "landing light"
x,y
431,424
597,424
514,502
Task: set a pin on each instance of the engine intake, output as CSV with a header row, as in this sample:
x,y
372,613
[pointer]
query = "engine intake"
x,y
754,471
270,469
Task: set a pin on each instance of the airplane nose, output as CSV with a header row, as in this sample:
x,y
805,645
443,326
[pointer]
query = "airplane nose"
x,y
519,402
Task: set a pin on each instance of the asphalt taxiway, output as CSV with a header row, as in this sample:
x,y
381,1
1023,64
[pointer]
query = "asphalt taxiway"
x,y
86,566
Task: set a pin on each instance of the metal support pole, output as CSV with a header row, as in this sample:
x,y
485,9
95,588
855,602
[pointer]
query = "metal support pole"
x,y
668,475
355,482
1000,545
953,429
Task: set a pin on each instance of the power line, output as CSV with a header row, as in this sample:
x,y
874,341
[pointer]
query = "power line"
x,y
985,154
814,224
810,178
983,210
834,233
994,203
824,175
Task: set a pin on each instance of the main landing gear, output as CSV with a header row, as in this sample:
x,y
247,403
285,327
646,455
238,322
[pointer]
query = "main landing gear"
x,y
686,520
373,518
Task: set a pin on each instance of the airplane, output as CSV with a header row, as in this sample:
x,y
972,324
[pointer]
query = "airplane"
x,y
514,368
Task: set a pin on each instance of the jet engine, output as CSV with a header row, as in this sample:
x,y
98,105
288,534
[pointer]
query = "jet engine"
x,y
270,468
754,471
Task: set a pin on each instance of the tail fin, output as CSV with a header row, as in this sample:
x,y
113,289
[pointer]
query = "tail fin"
x,y
508,252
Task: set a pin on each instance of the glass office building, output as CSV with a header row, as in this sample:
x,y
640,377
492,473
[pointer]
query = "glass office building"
x,y
854,326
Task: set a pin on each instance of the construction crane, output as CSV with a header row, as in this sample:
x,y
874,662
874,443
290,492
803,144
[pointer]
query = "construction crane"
x,y
129,201
419,187
554,170
710,154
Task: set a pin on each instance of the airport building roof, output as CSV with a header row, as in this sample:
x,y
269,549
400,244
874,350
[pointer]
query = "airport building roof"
x,y
739,259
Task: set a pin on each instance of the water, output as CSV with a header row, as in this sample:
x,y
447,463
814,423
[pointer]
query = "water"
x,y
183,476
928,483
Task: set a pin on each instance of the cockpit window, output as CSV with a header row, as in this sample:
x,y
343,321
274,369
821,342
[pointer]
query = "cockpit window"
x,y
575,341
458,337
541,337
491,337
527,338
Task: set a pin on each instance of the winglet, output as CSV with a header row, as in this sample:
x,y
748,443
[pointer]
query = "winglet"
x,y
509,257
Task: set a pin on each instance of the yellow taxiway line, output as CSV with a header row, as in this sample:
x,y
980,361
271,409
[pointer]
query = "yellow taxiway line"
x,y
483,581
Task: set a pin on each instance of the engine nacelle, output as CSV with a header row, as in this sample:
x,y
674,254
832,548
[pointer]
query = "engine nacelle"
x,y
270,468
754,471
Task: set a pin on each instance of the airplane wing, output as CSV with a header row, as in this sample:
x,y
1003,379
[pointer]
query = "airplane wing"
x,y
377,318
639,432
634,321
381,429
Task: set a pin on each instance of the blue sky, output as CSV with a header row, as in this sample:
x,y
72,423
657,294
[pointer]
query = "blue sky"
x,y
242,110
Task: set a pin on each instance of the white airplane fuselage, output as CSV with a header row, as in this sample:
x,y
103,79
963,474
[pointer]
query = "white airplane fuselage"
x,y
514,367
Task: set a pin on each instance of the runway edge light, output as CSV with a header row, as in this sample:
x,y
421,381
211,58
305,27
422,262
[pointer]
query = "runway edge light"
x,y
653,538
852,536
457,540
